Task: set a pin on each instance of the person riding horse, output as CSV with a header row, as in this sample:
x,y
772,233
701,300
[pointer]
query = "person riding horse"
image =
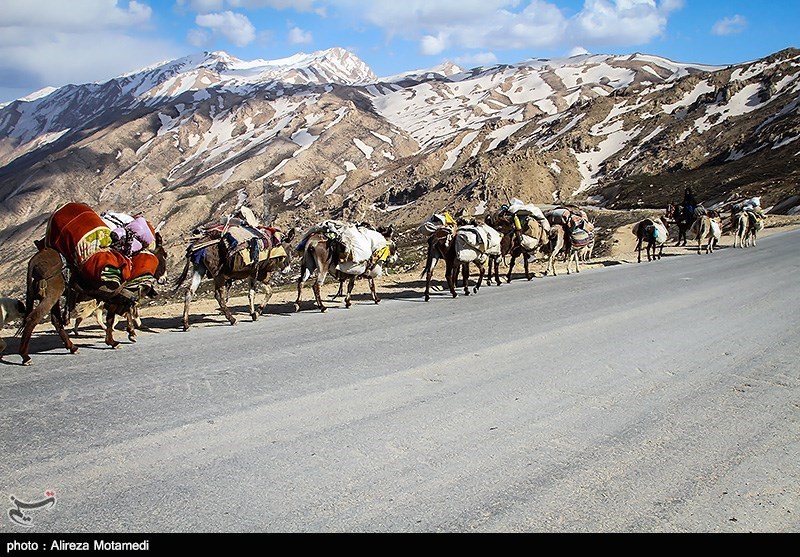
x,y
689,204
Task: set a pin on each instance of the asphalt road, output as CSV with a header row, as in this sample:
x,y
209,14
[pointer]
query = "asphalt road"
x,y
652,397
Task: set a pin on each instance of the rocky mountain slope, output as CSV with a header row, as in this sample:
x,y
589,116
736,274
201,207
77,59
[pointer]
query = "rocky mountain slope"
x,y
319,135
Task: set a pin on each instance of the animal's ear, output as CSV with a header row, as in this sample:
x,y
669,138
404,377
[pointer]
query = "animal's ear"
x,y
39,244
290,235
20,307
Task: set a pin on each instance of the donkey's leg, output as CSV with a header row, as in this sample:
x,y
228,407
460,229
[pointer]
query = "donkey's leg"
x,y
267,295
511,267
465,276
130,326
33,318
251,295
450,271
481,273
221,294
300,281
111,313
350,283
27,332
197,276
527,267
373,290
323,273
496,264
318,296
341,288
58,323
431,264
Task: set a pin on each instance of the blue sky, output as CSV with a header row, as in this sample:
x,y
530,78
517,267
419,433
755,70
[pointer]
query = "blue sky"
x,y
56,42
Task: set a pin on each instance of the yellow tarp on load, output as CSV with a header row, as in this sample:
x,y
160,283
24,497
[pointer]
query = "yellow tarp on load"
x,y
382,254
275,252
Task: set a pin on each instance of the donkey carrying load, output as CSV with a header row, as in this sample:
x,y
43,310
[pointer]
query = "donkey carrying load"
x,y
653,235
572,233
525,230
346,251
239,250
459,245
77,260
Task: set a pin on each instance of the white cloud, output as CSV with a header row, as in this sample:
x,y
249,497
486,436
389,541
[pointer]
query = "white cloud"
x,y
72,17
207,6
198,38
431,45
578,51
202,6
515,24
234,27
622,21
478,59
297,5
729,25
298,36
53,43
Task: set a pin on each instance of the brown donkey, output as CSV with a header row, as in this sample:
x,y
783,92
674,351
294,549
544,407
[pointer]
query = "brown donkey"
x,y
208,257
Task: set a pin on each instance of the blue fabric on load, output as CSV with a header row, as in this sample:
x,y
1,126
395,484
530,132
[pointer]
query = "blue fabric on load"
x,y
198,256
230,241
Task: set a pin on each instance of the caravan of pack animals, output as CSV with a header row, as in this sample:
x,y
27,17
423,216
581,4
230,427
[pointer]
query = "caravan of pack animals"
x,y
103,265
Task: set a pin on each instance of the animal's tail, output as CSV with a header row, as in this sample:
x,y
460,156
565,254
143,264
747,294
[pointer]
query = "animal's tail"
x,y
184,274
428,259
307,266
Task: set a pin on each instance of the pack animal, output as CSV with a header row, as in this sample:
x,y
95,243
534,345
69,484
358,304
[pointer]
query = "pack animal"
x,y
652,233
572,234
703,232
440,242
682,217
746,226
329,249
519,239
84,307
477,244
75,262
580,242
211,256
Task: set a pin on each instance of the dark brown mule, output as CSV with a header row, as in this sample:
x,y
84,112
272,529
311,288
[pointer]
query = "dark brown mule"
x,y
322,254
647,235
440,247
207,258
682,217
512,243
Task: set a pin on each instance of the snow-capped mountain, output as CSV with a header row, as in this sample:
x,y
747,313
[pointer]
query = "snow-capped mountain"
x,y
318,135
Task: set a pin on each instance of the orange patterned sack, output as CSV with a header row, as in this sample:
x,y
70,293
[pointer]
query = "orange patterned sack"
x,y
81,236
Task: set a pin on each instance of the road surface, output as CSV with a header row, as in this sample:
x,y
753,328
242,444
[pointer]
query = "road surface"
x,y
652,397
